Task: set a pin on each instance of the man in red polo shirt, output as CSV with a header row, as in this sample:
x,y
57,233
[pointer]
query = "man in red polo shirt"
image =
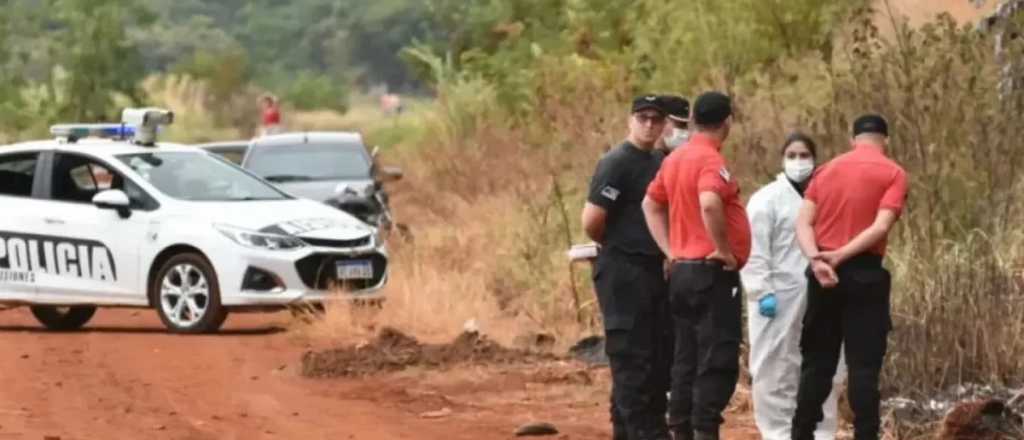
x,y
694,212
849,208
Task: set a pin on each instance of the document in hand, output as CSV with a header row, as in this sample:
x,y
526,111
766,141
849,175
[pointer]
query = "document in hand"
x,y
580,252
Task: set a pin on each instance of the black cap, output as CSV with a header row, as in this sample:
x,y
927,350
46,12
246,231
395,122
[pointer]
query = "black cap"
x,y
677,107
870,123
648,102
712,108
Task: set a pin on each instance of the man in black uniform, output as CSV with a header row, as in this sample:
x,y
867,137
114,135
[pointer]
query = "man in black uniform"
x,y
629,277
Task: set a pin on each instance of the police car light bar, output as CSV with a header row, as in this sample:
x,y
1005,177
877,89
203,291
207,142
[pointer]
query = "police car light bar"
x,y
138,124
74,132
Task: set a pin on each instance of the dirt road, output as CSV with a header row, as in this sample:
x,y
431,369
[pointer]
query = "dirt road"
x,y
124,378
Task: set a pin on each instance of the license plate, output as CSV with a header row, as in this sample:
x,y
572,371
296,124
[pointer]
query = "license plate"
x,y
355,270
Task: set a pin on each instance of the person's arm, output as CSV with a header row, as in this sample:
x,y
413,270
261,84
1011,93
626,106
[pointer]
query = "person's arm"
x,y
712,211
756,274
656,210
867,238
805,229
602,199
656,215
713,185
594,218
823,269
889,210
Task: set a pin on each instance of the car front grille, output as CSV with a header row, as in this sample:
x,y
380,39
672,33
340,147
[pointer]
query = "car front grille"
x,y
318,242
318,271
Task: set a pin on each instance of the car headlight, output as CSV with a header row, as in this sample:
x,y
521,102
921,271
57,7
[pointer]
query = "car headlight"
x,y
260,240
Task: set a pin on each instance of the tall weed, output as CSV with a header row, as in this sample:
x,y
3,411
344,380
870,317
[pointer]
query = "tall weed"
x,y
957,300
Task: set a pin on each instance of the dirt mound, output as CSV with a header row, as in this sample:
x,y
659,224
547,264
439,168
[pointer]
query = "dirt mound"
x,y
393,350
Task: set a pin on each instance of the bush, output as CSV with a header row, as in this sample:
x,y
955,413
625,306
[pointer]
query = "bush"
x,y
958,305
310,91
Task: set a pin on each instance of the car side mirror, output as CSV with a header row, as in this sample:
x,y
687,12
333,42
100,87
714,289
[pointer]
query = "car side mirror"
x,y
390,174
113,199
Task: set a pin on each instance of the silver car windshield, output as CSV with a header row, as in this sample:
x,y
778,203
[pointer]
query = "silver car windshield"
x,y
198,176
289,163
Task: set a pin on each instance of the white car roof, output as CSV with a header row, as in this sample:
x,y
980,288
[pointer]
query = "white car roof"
x,y
95,146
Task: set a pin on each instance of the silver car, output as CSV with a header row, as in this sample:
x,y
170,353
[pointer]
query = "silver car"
x,y
331,167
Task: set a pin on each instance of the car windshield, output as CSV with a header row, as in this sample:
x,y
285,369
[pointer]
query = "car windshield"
x,y
286,163
198,176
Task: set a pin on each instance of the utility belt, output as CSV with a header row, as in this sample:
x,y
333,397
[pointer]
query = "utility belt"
x,y
698,262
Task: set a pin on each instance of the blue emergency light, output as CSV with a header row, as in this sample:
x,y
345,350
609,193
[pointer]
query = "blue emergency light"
x,y
106,131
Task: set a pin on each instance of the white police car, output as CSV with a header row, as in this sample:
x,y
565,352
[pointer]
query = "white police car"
x,y
125,221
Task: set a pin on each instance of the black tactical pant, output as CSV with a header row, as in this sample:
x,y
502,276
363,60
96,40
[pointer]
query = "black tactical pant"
x,y
632,294
707,308
856,312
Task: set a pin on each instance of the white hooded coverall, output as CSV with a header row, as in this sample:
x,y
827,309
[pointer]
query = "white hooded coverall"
x,y
778,266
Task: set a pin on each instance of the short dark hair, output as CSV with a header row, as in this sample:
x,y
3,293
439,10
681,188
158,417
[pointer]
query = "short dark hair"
x,y
871,123
797,136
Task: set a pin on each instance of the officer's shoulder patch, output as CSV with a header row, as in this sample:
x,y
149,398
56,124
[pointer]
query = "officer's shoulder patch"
x,y
725,174
610,192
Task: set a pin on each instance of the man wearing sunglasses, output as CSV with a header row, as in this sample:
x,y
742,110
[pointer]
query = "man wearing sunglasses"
x,y
629,277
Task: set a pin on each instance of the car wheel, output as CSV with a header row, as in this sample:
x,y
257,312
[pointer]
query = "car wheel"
x,y
187,295
63,318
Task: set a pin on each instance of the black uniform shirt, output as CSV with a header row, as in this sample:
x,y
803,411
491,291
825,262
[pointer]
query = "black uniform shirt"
x,y
619,186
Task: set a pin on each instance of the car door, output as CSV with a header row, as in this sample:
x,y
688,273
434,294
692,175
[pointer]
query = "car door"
x,y
96,250
20,173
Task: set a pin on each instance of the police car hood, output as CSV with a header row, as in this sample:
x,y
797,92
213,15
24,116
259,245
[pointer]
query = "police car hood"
x,y
302,218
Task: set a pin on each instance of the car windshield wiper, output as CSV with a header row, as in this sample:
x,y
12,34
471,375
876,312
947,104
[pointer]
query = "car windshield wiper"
x,y
287,178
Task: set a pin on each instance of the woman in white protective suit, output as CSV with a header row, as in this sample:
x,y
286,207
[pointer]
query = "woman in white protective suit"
x,y
776,293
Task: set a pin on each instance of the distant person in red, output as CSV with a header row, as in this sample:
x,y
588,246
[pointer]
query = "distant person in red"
x,y
271,122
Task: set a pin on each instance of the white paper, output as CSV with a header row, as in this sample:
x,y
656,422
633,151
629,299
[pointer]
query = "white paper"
x,y
583,251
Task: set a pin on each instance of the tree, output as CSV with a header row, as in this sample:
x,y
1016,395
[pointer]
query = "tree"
x,y
96,58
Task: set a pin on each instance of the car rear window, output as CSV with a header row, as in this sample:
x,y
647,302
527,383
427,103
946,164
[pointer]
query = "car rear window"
x,y
310,161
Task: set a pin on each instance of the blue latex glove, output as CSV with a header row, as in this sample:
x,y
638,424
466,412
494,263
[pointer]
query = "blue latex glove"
x,y
767,304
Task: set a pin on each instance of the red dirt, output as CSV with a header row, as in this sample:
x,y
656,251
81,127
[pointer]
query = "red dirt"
x,y
125,378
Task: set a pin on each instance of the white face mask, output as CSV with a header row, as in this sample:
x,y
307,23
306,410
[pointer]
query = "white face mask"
x,y
798,170
678,137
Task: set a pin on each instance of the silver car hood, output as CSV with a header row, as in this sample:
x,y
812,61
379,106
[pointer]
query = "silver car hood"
x,y
322,190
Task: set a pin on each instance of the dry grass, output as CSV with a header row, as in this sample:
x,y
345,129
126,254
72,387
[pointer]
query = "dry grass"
x,y
444,277
493,204
189,99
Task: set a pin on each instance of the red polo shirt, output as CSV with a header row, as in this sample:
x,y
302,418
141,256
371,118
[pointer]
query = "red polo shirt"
x,y
850,190
687,172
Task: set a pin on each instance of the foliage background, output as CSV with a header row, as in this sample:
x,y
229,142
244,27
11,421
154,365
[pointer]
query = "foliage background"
x,y
518,99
